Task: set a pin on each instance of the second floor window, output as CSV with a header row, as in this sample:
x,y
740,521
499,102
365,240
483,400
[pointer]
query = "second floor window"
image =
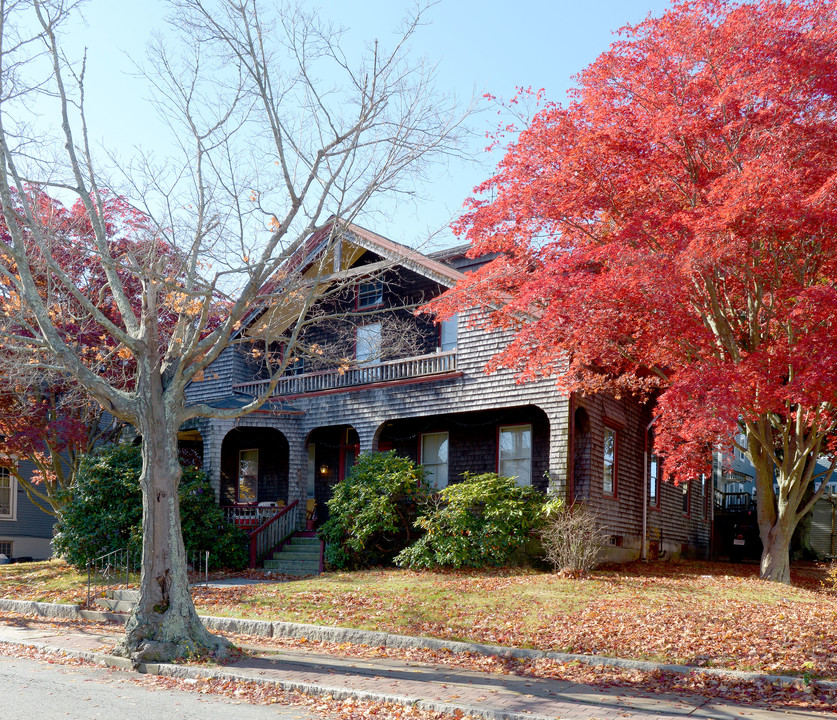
x,y
368,343
370,294
447,333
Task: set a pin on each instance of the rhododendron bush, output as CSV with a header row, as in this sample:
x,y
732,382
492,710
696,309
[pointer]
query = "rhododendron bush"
x,y
672,233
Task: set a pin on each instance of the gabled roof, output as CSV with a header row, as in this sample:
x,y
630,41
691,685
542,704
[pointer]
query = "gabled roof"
x,y
403,255
340,248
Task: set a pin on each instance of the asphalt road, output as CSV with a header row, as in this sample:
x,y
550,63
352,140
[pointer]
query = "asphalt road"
x,y
33,690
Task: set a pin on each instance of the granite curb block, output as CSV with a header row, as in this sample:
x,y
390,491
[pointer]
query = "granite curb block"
x,y
324,633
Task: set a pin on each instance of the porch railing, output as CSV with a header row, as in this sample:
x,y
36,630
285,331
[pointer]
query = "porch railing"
x,y
389,371
270,534
734,502
249,516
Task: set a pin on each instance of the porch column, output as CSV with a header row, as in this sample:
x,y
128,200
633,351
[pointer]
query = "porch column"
x,y
366,437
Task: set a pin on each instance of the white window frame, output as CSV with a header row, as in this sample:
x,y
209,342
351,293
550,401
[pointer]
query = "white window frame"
x,y
611,462
514,458
654,481
240,467
7,477
10,548
438,475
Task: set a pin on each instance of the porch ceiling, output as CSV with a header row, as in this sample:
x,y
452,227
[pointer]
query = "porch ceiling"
x,y
272,406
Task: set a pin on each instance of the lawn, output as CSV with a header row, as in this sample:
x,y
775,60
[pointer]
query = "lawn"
x,y
710,614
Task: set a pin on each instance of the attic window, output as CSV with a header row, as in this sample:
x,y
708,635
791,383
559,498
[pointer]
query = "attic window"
x,y
370,294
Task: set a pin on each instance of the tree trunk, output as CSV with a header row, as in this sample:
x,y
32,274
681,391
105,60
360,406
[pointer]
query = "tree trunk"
x,y
164,624
775,556
776,516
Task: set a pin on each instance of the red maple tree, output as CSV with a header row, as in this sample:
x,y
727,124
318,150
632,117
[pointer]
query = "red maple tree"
x,y
672,233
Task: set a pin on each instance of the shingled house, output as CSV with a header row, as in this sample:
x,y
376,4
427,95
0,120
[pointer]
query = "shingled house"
x,y
422,391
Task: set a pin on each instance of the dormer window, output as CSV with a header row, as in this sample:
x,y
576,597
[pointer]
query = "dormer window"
x,y
370,294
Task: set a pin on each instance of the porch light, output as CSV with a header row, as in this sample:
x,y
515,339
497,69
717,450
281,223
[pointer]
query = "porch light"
x,y
324,471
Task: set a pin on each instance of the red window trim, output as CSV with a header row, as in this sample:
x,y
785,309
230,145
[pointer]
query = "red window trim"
x,y
616,442
357,295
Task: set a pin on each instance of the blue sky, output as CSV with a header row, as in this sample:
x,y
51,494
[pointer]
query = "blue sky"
x,y
479,47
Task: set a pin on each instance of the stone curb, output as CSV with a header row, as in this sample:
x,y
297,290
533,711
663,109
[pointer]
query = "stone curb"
x,y
338,635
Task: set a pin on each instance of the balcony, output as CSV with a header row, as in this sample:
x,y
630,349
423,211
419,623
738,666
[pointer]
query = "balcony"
x,y
415,369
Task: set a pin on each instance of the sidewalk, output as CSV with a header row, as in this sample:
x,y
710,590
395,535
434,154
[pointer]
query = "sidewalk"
x,y
431,686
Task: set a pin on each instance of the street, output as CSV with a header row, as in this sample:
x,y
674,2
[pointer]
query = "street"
x,y
33,690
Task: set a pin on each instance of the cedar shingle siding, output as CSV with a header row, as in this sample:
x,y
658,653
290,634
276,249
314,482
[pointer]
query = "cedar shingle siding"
x,y
469,405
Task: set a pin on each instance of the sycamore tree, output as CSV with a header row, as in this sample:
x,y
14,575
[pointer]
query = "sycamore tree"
x,y
671,233
282,130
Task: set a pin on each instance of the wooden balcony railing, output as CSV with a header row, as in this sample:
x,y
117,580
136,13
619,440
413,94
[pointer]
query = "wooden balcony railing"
x,y
389,371
734,502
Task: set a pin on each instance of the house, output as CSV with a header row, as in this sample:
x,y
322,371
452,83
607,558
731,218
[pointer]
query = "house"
x,y
25,529
407,384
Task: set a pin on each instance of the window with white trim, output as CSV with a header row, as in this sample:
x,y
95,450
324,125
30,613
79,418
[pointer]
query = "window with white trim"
x,y
8,495
434,459
515,453
7,548
248,475
368,343
609,461
370,294
654,480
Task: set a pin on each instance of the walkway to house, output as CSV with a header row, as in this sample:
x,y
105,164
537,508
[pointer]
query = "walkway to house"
x,y
439,687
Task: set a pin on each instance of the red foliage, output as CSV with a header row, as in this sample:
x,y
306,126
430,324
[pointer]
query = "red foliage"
x,y
44,416
672,232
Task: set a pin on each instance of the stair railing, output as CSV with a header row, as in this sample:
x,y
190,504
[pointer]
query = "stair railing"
x,y
107,571
272,533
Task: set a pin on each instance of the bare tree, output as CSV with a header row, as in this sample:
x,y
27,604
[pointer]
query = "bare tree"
x,y
281,130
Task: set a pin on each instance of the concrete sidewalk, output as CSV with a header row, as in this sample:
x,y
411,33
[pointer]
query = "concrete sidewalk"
x,y
431,686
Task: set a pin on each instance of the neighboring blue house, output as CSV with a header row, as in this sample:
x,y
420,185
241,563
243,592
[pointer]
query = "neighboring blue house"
x,y
25,530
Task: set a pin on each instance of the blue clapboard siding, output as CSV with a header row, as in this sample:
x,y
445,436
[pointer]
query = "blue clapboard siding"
x,y
31,521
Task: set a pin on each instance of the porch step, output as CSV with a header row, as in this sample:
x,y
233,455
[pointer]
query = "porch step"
x,y
299,556
119,600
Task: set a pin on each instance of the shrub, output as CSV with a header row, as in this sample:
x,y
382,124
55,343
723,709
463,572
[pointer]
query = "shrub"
x,y
572,538
104,512
830,582
372,512
479,522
